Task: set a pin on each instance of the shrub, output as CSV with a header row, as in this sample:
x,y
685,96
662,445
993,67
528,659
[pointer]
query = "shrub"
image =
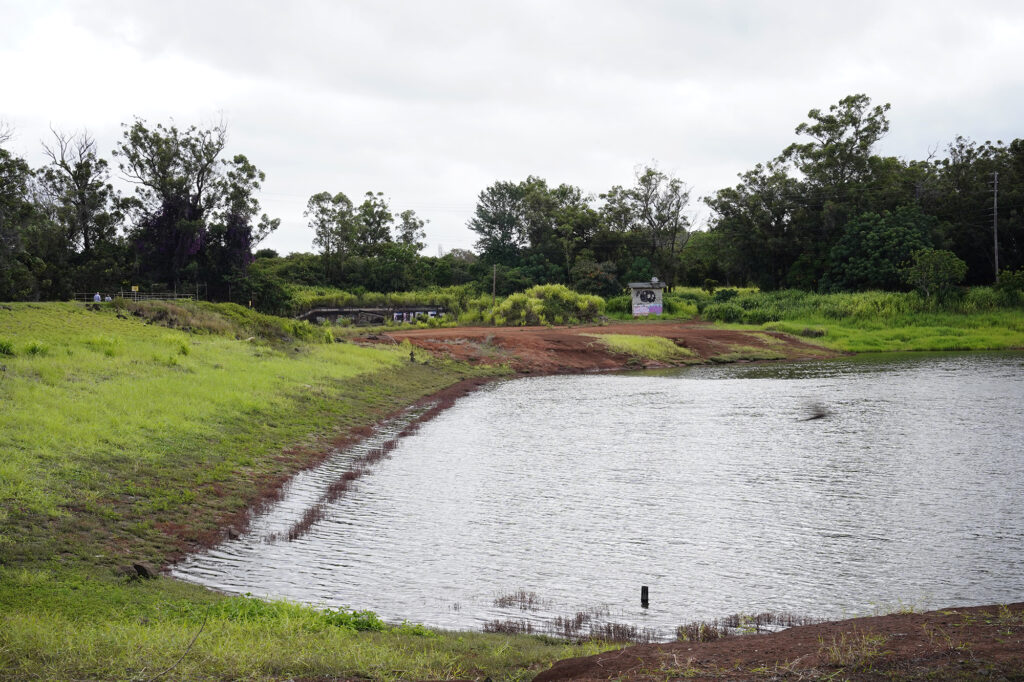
x,y
724,295
6,347
548,303
1010,287
980,299
723,312
619,305
934,272
760,316
36,348
355,620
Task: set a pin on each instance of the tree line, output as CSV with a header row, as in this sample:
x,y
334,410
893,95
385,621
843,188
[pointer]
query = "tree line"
x,y
193,217
826,214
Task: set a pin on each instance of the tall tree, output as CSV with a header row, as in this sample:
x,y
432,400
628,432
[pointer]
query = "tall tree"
x,y
500,224
237,227
837,167
756,220
654,211
410,230
963,203
335,225
77,182
375,221
838,155
16,212
177,185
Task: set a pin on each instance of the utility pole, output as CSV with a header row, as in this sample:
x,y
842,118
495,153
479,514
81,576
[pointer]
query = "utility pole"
x,y
995,219
494,289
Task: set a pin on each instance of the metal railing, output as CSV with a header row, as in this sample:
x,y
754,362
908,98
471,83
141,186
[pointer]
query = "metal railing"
x,y
134,296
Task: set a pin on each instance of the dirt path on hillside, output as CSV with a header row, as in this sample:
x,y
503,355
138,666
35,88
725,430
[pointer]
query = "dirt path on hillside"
x,y
554,350
978,643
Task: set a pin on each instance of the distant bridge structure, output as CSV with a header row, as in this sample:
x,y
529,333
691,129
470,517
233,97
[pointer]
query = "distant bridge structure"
x,y
367,316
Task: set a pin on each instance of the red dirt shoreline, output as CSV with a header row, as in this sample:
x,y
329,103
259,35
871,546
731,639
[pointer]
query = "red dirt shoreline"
x,y
964,643
566,350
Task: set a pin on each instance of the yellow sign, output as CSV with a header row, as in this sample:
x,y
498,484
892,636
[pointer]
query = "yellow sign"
x,y
135,287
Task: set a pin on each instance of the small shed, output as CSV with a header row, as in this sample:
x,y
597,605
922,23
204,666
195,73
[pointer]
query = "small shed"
x,y
646,297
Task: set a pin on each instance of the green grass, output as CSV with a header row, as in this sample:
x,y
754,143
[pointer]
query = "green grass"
x,y
923,332
127,430
99,407
74,626
647,348
877,321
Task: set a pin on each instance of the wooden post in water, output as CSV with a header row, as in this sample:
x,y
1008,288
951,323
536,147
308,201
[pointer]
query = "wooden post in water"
x,y
644,601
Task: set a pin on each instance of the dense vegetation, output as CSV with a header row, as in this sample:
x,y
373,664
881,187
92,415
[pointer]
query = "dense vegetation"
x,y
827,214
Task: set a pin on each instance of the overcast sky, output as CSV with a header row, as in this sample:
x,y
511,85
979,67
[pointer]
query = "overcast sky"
x,y
431,102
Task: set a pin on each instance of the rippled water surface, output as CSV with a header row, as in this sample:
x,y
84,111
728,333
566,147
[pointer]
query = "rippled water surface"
x,y
709,485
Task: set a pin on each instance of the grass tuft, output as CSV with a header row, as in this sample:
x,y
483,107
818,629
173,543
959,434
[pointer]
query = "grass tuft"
x,y
647,348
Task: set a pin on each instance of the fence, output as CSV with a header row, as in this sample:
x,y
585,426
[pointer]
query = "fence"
x,y
135,296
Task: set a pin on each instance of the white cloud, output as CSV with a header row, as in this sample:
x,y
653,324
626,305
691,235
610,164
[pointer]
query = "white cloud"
x,y
430,102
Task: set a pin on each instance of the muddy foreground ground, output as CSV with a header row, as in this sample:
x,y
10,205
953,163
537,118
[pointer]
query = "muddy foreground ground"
x,y
976,643
979,643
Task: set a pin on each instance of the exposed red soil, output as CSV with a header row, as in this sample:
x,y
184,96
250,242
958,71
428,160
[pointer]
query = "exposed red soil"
x,y
985,642
550,350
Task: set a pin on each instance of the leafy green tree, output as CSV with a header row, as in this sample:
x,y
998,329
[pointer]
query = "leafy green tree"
x,y
195,214
374,222
702,258
837,167
410,230
874,248
961,194
758,221
16,213
458,266
335,225
532,226
236,227
591,277
500,224
77,181
177,186
839,153
653,210
298,268
75,185
639,270
934,272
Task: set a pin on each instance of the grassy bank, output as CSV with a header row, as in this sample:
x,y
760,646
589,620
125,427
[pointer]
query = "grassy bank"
x,y
128,432
875,321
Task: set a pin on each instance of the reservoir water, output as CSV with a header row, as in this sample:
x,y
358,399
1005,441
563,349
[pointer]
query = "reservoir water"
x,y
827,489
